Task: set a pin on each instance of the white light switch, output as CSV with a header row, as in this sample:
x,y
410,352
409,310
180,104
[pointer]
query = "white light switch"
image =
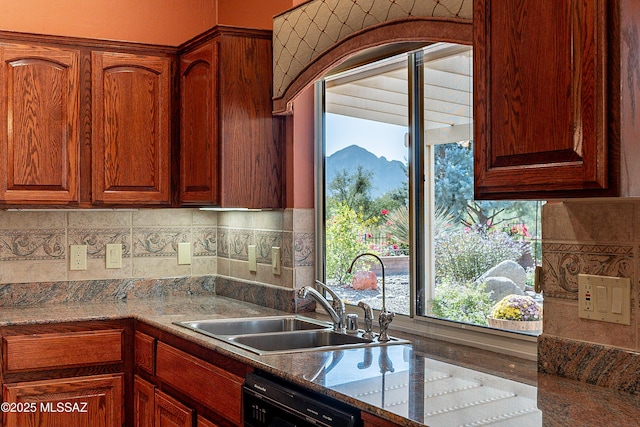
x,y
251,253
184,253
275,260
113,255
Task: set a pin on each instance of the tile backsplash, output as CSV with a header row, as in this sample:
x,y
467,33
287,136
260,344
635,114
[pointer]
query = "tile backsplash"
x,y
599,237
34,245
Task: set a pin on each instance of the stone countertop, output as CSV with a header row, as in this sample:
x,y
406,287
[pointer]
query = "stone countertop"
x,y
427,382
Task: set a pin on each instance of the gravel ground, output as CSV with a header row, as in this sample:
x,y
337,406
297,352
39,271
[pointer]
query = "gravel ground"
x,y
396,294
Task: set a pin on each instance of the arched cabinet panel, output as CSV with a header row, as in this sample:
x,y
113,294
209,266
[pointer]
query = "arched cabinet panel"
x,y
39,146
131,128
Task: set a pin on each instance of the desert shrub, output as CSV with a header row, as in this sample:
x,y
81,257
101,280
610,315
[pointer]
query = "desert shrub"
x,y
468,303
464,255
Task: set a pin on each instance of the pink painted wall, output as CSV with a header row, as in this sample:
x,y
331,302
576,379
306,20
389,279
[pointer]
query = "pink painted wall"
x,y
164,22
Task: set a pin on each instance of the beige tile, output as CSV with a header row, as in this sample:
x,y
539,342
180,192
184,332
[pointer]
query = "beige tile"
x,y
223,266
33,271
162,217
265,275
597,221
158,267
287,220
201,266
100,219
561,319
209,218
25,220
304,220
240,270
268,220
237,219
96,270
303,276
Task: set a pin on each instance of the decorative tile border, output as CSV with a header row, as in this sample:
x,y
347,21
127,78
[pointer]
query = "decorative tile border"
x,y
563,262
265,240
159,242
26,245
239,240
595,364
205,241
304,249
96,239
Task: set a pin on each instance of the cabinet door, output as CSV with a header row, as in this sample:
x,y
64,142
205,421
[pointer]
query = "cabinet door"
x,y
540,97
143,403
131,128
203,422
39,105
199,125
171,413
95,401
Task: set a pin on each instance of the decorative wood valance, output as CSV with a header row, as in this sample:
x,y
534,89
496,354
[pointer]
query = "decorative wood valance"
x,y
319,34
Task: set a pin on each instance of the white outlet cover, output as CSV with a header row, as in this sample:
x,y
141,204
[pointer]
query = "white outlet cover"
x,y
184,253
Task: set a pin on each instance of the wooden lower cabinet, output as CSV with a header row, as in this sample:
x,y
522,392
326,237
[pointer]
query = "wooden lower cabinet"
x,y
171,413
154,408
369,420
92,401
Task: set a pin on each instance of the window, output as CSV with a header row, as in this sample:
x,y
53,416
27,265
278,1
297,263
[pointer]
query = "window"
x,y
396,143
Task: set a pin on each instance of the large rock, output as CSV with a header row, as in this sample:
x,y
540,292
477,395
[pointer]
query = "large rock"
x,y
500,287
509,269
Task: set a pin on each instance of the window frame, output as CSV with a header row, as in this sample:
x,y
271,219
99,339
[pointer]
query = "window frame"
x,y
422,251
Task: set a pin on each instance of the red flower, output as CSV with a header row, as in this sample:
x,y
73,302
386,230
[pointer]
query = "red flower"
x,y
384,211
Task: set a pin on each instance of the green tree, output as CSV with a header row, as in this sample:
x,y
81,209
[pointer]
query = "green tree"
x,y
454,190
345,231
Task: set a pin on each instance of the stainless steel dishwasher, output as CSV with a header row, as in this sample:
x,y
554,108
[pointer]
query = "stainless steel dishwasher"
x,y
271,402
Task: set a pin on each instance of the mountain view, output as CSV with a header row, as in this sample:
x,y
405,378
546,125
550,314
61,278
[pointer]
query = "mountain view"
x,y
386,174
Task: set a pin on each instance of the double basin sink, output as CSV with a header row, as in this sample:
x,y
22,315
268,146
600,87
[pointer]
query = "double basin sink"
x,y
281,334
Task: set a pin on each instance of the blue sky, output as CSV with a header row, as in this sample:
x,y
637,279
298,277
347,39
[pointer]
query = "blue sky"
x,y
378,138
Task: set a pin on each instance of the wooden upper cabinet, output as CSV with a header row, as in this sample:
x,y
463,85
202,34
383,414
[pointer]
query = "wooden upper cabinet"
x,y
199,125
540,99
39,107
230,142
131,128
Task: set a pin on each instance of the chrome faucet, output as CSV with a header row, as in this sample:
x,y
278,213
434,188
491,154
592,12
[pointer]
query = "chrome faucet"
x,y
368,320
385,317
336,309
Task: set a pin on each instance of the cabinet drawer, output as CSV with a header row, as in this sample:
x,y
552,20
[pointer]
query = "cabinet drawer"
x,y
212,386
57,350
144,351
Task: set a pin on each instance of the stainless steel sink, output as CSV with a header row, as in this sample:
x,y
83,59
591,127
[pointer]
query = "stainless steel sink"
x,y
254,325
297,341
281,334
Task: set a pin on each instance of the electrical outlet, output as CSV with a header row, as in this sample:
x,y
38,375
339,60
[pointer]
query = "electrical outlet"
x,y
113,255
77,257
275,260
603,298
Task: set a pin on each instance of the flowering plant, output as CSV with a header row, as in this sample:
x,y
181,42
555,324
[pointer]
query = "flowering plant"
x,y
517,307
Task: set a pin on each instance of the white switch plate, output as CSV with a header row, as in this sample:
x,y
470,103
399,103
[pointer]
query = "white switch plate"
x,y
113,255
603,298
184,253
251,253
275,260
77,257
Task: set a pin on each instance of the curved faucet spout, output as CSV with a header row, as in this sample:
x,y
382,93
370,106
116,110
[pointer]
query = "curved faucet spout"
x,y
336,309
350,269
385,317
